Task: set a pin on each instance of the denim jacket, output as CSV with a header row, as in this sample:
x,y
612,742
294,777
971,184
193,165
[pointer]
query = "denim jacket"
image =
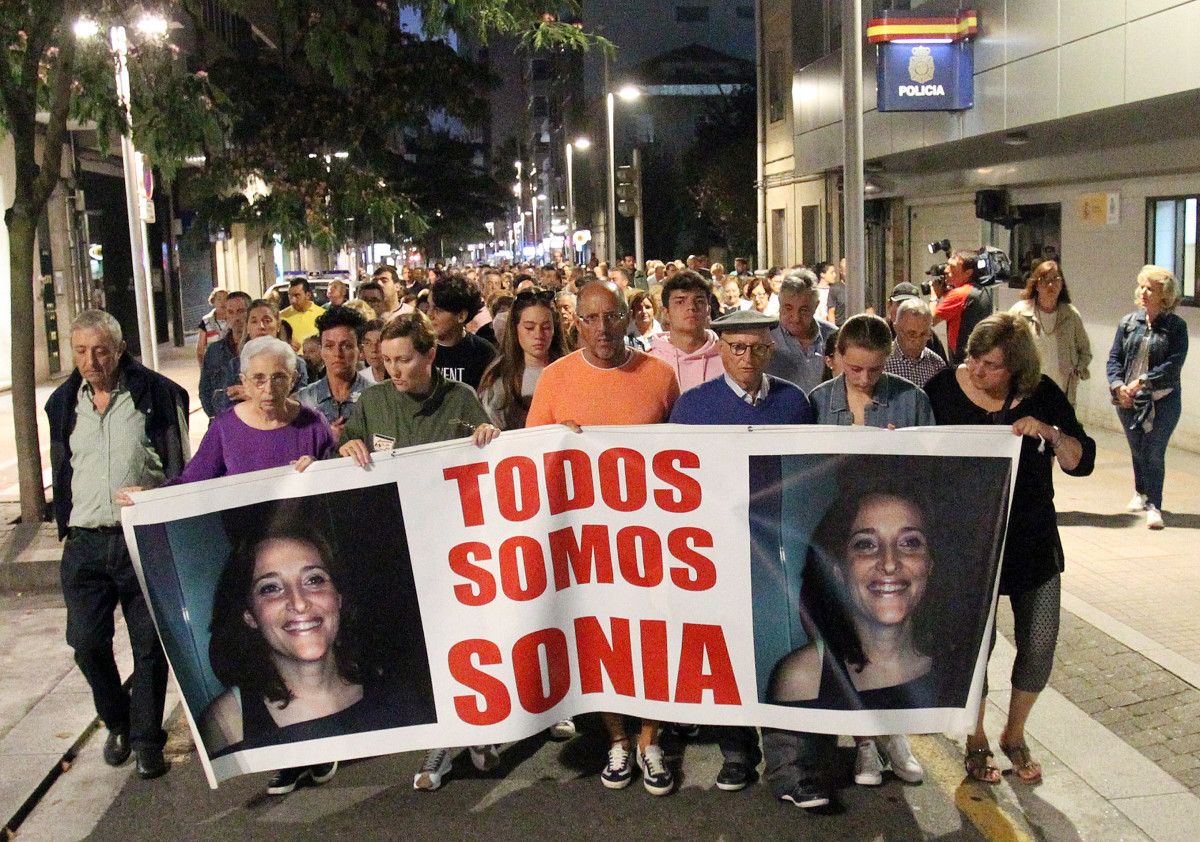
x,y
896,401
1168,349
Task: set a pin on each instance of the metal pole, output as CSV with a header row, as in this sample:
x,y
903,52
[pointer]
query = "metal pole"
x,y
638,251
537,240
612,181
143,294
853,222
760,176
570,189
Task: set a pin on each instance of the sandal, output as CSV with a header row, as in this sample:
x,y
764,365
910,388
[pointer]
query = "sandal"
x,y
978,764
1027,770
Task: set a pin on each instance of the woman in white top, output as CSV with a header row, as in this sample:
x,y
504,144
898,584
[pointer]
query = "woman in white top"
x,y
1058,330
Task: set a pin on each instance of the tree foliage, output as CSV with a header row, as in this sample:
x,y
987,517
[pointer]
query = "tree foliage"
x,y
723,161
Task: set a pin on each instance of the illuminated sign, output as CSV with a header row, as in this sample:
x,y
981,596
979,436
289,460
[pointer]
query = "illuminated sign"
x,y
926,77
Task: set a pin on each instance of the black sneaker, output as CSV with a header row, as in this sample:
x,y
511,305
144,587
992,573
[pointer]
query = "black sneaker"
x,y
685,731
285,780
323,772
807,795
656,777
734,776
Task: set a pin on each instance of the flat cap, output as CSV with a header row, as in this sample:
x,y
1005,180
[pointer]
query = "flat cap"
x,y
743,320
905,290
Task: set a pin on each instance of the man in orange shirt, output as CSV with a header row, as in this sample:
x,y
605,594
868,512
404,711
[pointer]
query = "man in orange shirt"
x,y
607,382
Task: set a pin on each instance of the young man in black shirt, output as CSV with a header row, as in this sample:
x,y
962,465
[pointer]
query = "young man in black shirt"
x,y
461,356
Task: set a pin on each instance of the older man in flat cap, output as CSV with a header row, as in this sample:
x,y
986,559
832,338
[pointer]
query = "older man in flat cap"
x,y
746,394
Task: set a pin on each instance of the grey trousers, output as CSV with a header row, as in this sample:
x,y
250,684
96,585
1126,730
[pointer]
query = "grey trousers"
x,y
794,756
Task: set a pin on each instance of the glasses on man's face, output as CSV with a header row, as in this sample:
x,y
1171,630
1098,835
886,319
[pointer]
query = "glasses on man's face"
x,y
277,380
758,351
608,319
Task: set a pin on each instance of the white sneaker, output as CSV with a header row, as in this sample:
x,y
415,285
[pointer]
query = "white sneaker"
x,y
868,766
485,758
900,757
564,729
1137,503
433,770
1153,517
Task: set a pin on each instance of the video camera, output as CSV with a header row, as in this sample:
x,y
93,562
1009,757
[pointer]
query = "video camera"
x,y
992,266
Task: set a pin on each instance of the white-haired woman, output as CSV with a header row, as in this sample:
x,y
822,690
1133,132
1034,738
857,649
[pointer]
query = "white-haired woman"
x,y
266,430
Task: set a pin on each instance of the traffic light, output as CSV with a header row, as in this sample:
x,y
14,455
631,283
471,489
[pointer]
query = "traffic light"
x,y
629,190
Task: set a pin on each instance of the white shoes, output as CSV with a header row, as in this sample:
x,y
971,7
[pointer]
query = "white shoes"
x,y
868,765
1153,517
564,729
893,751
433,770
899,755
1137,503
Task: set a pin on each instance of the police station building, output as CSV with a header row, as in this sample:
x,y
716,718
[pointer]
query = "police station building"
x,y
1065,129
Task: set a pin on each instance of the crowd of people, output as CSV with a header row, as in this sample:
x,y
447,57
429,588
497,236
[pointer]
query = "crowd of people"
x,y
417,356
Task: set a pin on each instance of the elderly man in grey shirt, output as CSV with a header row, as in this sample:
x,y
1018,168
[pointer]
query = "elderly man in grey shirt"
x,y
113,423
800,338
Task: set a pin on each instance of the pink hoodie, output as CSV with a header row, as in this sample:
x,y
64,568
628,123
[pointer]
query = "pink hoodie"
x,y
692,369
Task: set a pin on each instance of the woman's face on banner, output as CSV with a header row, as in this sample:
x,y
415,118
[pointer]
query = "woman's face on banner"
x,y
293,601
887,560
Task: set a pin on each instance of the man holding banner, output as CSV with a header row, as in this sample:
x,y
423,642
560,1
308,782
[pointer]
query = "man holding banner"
x,y
744,395
607,382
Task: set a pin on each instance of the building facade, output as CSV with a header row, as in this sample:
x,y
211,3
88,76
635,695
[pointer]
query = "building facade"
x,y
1085,128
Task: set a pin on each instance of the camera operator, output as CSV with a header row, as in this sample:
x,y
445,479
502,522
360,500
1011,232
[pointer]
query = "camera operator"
x,y
966,303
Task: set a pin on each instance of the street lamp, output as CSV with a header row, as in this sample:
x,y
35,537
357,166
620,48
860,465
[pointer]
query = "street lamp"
x,y
153,26
627,93
582,144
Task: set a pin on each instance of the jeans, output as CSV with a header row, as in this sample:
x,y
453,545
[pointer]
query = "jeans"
x,y
794,756
97,575
1149,450
739,744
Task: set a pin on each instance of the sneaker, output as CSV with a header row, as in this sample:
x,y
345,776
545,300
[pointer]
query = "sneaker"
x,y
807,795
868,765
323,773
900,757
285,780
684,731
485,758
619,771
656,777
734,776
1153,517
1137,503
564,729
436,766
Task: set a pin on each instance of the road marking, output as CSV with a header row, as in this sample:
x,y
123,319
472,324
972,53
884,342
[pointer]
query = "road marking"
x,y
976,801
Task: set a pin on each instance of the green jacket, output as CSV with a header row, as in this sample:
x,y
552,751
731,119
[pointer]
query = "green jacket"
x,y
387,419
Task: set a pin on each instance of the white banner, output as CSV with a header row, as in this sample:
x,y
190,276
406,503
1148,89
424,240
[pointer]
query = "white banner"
x,y
836,580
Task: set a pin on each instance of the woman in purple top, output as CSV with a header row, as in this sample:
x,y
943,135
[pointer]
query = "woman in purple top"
x,y
269,429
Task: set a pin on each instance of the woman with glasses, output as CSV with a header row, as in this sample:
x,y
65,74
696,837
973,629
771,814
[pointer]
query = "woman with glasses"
x,y
1062,341
266,430
532,340
1001,383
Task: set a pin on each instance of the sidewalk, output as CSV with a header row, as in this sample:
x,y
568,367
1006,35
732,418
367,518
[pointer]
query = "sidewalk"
x,y
1118,731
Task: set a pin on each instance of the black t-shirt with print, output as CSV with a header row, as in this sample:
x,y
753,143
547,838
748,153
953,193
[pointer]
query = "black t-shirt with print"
x,y
465,361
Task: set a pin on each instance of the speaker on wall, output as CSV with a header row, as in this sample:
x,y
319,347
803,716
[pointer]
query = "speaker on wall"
x,y
991,205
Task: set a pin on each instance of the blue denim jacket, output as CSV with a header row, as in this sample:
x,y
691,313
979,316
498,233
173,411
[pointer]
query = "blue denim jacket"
x,y
1168,349
896,401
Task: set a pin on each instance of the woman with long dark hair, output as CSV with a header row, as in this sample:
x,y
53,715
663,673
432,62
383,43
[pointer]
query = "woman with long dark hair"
x,y
531,341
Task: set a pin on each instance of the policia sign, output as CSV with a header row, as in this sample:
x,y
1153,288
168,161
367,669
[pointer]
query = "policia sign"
x,y
925,64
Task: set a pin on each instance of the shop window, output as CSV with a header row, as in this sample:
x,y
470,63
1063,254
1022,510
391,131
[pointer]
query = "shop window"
x,y
1036,236
1171,233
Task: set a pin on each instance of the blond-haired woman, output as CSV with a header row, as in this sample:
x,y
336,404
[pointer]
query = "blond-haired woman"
x,y
1058,330
1143,376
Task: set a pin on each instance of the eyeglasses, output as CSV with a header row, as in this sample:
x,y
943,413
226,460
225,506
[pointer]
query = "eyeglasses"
x,y
739,349
609,319
277,379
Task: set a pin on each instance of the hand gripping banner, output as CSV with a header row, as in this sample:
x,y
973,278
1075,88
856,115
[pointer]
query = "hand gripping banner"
x,y
834,580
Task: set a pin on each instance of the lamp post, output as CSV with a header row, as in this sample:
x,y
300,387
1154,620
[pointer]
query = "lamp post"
x,y
150,26
628,93
582,144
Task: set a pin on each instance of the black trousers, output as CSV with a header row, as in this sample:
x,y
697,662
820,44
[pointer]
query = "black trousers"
x,y
97,576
